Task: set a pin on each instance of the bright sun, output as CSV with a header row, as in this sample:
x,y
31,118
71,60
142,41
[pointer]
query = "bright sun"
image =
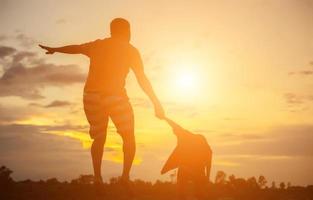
x,y
186,83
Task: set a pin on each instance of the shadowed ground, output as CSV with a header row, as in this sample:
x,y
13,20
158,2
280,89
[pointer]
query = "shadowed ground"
x,y
81,189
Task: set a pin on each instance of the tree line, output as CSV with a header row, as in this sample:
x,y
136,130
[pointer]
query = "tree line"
x,y
223,188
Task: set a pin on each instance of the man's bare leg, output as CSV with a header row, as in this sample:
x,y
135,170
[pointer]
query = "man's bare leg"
x,y
129,149
96,154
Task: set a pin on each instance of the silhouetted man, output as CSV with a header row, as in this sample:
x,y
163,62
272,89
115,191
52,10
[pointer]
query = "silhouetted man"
x,y
104,93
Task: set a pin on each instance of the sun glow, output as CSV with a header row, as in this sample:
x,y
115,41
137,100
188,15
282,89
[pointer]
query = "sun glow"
x,y
186,81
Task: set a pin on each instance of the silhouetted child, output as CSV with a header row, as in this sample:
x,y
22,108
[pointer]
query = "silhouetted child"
x,y
192,156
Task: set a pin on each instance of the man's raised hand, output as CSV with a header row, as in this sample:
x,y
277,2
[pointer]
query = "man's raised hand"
x,y
48,49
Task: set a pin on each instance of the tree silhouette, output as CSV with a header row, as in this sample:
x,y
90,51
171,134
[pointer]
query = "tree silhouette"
x,y
252,183
282,186
262,181
85,179
288,185
273,185
52,181
220,178
5,173
5,176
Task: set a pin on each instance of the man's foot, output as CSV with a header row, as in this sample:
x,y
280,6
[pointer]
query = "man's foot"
x,y
126,186
98,181
124,179
98,186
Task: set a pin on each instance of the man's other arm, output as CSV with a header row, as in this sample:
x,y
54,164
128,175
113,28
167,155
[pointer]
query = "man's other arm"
x,y
137,67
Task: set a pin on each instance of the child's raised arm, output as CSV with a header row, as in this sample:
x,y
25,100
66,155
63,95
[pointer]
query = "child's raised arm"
x,y
174,125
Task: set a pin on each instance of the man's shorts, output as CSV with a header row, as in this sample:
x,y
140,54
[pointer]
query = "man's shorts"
x,y
98,108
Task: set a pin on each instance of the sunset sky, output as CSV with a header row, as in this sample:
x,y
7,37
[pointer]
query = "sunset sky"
x,y
238,72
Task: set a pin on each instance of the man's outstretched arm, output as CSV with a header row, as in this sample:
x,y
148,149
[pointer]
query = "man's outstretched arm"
x,y
70,49
146,85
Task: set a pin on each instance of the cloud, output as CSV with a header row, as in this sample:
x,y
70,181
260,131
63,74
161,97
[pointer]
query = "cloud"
x,y
20,144
303,72
293,140
27,79
58,104
78,133
232,119
141,102
294,99
307,72
55,103
283,152
61,21
172,107
232,136
48,146
3,37
12,114
23,54
6,51
183,110
25,40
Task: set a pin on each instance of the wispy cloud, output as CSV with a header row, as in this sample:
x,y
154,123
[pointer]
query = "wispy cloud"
x,y
306,72
290,141
61,21
226,163
3,37
257,157
294,99
303,72
19,79
12,114
6,51
76,133
25,40
56,103
171,107
141,102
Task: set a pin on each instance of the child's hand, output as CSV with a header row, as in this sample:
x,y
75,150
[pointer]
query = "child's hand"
x,y
159,112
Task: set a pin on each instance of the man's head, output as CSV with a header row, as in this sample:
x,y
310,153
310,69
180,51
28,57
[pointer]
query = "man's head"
x,y
120,28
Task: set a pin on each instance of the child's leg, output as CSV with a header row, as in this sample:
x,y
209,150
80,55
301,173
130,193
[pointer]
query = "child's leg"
x,y
182,182
200,186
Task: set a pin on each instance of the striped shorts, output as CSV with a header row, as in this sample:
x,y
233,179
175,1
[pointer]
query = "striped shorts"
x,y
98,108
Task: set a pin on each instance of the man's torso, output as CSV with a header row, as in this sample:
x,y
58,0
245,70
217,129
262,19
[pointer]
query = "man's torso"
x,y
110,61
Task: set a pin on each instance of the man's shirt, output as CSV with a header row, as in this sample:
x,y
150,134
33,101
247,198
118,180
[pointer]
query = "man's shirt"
x,y
110,61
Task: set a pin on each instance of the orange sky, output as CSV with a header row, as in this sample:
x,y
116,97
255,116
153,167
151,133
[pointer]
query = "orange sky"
x,y
238,72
